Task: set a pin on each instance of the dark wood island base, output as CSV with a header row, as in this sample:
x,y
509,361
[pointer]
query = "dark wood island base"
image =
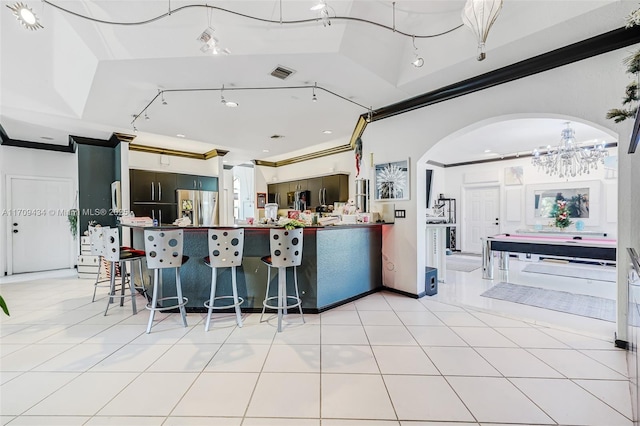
x,y
339,264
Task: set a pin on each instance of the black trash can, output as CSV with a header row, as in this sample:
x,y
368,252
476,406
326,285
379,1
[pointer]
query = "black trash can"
x,y
430,281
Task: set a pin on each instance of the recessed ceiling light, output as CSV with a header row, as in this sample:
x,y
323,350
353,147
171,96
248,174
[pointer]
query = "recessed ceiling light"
x,y
180,135
486,151
265,150
276,136
231,104
327,132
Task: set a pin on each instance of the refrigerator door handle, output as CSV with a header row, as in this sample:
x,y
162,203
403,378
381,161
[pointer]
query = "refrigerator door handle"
x,y
159,217
159,191
153,192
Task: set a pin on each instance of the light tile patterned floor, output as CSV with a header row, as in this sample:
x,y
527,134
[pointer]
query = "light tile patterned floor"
x,y
384,360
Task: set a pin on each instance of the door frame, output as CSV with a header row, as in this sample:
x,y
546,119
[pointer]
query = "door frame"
x,y
9,193
463,202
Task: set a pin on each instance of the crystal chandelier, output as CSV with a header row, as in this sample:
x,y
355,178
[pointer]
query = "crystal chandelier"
x,y
569,159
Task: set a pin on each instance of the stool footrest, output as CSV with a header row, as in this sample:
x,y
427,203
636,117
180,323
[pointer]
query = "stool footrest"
x,y
165,308
287,306
240,302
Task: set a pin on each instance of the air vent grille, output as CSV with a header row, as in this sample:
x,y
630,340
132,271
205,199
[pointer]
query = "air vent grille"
x,y
281,72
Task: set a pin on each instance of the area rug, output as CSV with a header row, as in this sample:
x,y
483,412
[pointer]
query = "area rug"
x,y
572,271
561,301
462,266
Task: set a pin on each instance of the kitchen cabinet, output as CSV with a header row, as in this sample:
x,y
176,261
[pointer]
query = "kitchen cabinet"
x,y
200,183
153,187
323,190
335,188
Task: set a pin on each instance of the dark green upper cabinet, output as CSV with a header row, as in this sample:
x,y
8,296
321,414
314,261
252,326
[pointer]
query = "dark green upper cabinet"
x,y
208,183
152,187
200,183
187,181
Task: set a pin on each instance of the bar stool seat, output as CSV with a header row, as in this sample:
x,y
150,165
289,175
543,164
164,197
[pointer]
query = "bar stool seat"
x,y
286,251
118,256
164,250
225,251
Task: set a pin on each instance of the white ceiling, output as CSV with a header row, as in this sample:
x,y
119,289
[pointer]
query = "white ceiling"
x,y
89,79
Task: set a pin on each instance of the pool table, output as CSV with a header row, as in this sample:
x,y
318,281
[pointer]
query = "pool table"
x,y
560,246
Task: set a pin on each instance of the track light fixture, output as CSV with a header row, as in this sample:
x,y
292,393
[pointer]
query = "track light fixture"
x,y
146,117
417,60
25,16
230,104
323,8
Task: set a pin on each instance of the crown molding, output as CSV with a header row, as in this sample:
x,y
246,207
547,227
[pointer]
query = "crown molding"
x,y
311,156
177,153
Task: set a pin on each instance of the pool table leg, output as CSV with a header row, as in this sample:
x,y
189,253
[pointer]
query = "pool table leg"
x,y
487,260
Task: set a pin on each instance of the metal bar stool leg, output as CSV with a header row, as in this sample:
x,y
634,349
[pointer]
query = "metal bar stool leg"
x,y
132,290
95,285
267,294
123,279
214,277
154,301
282,294
236,300
295,282
112,287
183,310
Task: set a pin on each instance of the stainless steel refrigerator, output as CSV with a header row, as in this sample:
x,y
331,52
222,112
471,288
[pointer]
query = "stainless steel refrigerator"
x,y
200,206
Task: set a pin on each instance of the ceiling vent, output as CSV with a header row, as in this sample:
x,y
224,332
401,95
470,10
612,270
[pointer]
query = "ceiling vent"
x,y
282,73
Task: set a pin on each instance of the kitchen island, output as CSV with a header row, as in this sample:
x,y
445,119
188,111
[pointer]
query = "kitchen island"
x,y
339,264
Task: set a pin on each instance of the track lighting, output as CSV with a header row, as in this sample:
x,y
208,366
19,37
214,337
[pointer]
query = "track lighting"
x,y
146,117
417,60
25,16
314,98
370,115
162,96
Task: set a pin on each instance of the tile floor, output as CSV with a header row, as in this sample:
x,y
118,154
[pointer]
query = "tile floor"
x,y
384,360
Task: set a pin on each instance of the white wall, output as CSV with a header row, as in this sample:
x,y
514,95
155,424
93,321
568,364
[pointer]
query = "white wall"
x,y
190,166
583,90
33,163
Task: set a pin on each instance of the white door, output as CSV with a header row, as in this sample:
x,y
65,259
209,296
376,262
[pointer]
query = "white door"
x,y
38,227
481,216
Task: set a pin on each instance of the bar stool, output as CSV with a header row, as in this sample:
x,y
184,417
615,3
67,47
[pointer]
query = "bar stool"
x,y
225,251
286,250
118,256
96,242
164,250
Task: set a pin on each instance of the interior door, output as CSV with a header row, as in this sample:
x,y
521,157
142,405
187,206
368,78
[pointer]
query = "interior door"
x,y
40,238
481,216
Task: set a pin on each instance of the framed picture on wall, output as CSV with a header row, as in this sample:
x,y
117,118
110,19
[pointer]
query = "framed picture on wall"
x,y
392,181
261,200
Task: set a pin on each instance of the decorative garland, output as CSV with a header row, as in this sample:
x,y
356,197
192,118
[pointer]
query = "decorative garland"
x,y
631,92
